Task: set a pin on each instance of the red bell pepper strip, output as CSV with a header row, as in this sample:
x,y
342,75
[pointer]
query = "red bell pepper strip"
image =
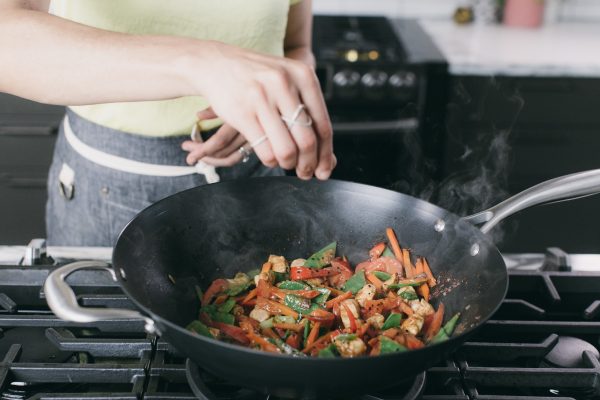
x,y
275,308
301,273
319,315
351,318
218,286
234,332
294,341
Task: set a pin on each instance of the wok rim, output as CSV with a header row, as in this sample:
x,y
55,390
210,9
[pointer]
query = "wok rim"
x,y
452,342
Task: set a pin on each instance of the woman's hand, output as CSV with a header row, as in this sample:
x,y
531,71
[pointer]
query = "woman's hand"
x,y
251,92
220,150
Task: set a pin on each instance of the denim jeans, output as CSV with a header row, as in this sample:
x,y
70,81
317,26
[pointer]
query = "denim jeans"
x,y
89,205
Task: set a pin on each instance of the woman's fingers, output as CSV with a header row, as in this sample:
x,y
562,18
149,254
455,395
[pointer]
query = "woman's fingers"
x,y
310,93
217,142
207,113
303,136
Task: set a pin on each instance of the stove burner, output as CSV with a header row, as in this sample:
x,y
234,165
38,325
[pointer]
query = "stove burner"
x,y
568,352
208,387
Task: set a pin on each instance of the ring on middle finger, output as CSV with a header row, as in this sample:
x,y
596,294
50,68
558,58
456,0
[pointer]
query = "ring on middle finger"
x,y
293,120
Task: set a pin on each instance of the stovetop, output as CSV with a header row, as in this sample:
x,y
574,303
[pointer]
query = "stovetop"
x,y
542,343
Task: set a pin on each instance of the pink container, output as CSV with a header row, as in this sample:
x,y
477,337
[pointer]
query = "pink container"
x,y
524,13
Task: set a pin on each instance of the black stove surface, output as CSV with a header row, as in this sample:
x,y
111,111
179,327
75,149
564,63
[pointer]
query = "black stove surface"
x,y
542,343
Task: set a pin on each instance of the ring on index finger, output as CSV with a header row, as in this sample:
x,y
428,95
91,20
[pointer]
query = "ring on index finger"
x,y
293,120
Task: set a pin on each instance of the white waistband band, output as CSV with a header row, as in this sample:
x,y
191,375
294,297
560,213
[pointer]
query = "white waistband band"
x,y
132,166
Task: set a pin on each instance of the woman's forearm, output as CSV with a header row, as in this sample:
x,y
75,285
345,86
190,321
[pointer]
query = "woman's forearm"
x,y
56,61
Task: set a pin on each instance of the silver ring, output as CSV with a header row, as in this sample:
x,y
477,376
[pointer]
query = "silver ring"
x,y
258,141
245,153
293,120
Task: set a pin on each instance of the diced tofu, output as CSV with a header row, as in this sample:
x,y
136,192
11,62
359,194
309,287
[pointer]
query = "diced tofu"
x,y
259,314
413,324
350,348
353,306
376,321
366,293
298,262
315,281
421,307
279,263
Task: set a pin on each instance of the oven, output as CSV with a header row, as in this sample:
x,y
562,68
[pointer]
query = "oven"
x,y
542,342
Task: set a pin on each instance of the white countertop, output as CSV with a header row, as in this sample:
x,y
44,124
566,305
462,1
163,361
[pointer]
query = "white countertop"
x,y
560,49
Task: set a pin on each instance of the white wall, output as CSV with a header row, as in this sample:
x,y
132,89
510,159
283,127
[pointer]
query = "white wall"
x,y
568,10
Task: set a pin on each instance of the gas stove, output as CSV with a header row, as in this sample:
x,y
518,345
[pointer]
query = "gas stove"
x,y
542,343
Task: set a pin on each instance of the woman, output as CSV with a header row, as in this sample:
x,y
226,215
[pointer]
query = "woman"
x,y
136,72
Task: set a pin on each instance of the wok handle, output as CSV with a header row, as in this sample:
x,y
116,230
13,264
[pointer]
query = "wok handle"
x,y
62,300
566,187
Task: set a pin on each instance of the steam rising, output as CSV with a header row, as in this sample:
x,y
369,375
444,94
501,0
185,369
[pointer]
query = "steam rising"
x,y
479,174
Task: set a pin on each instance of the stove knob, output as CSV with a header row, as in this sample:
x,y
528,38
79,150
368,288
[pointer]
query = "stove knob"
x,y
346,78
403,79
374,79
373,84
403,85
345,84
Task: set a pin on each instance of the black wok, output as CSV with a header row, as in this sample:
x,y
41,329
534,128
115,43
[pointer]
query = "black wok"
x,y
215,231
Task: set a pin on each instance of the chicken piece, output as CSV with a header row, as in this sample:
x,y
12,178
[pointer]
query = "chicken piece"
x,y
351,305
390,281
413,324
366,293
376,321
349,348
259,314
279,263
298,262
421,307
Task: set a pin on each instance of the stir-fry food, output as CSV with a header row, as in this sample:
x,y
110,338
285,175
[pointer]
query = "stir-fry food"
x,y
321,307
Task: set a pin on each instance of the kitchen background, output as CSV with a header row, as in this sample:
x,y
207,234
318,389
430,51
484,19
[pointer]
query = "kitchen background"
x,y
460,114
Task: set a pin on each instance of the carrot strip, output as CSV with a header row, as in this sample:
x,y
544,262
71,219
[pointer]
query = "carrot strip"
x,y
252,294
394,243
430,278
422,290
406,263
376,250
268,332
287,326
436,323
312,336
375,281
336,300
262,342
318,342
275,307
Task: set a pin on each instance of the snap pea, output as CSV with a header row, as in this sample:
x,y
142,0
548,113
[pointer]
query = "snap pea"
x,y
388,253
447,330
346,337
388,345
199,328
297,303
227,306
293,285
238,284
356,282
392,321
322,257
409,295
328,352
384,276
322,298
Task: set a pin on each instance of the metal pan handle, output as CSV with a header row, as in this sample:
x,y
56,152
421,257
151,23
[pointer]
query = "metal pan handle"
x,y
566,187
62,300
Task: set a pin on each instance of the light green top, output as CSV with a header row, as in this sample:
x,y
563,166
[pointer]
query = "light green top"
x,y
253,24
